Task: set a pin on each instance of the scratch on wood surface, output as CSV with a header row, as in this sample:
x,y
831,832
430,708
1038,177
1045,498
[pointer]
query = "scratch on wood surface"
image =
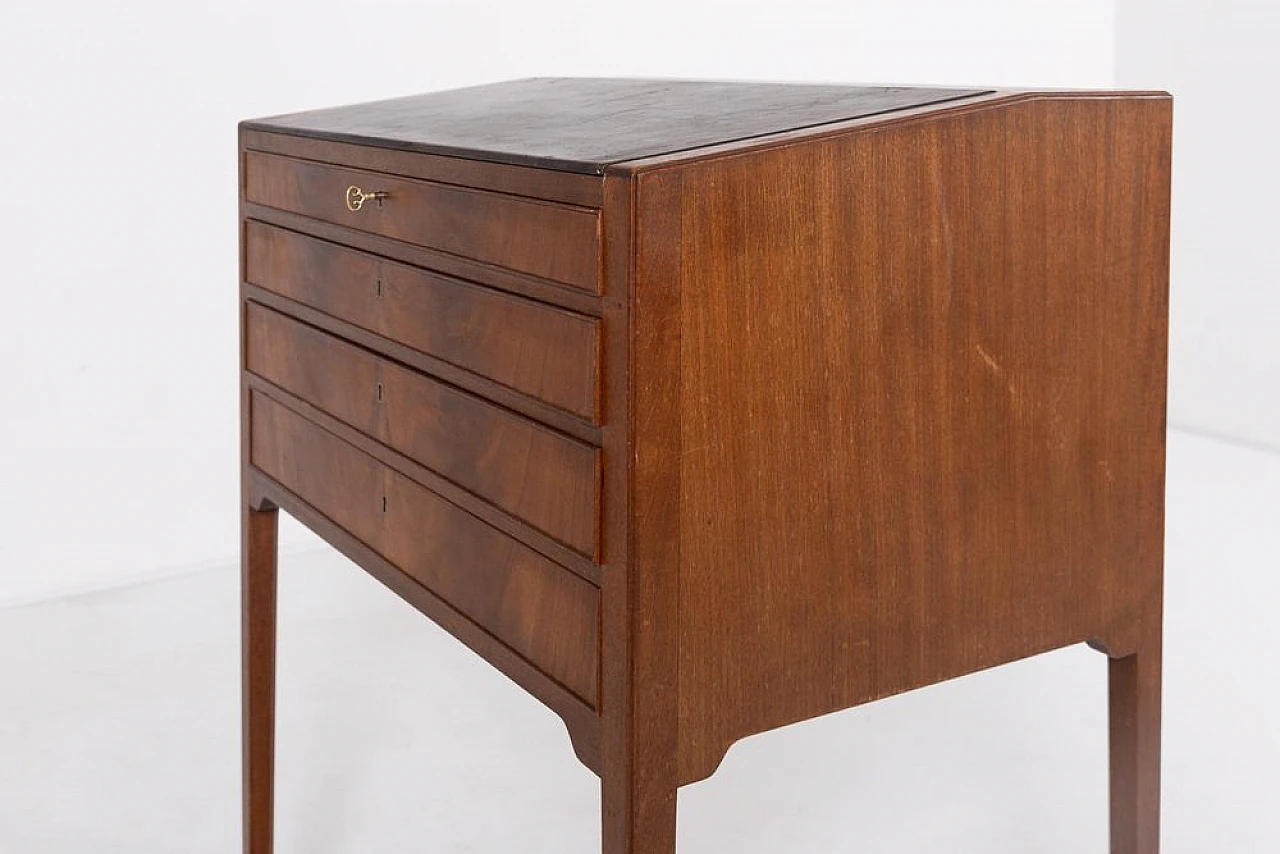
x,y
995,368
989,359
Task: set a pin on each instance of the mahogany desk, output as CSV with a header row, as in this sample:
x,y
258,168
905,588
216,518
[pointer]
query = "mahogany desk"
x,y
699,409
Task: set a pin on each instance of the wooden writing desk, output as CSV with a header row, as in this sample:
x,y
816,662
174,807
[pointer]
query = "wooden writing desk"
x,y
701,409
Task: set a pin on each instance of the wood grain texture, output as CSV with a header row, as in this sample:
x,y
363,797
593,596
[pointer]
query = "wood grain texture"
x,y
258,693
581,720
804,418
641,601
508,524
572,189
469,269
547,479
540,610
416,359
555,241
533,348
922,405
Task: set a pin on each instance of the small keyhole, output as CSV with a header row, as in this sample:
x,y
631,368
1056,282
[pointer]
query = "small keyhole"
x,y
384,504
379,288
379,392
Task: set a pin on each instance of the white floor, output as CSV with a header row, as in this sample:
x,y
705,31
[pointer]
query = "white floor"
x,y
119,725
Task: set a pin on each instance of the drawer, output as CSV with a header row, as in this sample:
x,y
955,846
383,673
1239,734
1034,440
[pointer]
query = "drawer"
x,y
543,612
550,240
536,349
534,473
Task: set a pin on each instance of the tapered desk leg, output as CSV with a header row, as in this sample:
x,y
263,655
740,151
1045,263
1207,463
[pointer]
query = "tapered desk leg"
x,y
1134,686
258,615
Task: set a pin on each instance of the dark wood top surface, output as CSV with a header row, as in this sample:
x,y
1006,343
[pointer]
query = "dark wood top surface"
x,y
585,124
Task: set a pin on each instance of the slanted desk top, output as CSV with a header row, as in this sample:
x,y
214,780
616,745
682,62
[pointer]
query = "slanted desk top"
x,y
584,124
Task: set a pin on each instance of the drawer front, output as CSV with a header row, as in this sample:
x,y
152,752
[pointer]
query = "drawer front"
x,y
545,478
544,352
546,239
543,612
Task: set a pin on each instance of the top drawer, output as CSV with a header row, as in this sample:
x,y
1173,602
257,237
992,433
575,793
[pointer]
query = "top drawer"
x,y
546,239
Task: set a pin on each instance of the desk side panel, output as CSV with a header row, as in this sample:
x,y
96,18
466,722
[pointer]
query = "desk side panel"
x,y
922,398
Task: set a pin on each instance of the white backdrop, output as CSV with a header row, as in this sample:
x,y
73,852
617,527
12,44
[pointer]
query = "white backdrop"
x,y
118,331
1219,58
